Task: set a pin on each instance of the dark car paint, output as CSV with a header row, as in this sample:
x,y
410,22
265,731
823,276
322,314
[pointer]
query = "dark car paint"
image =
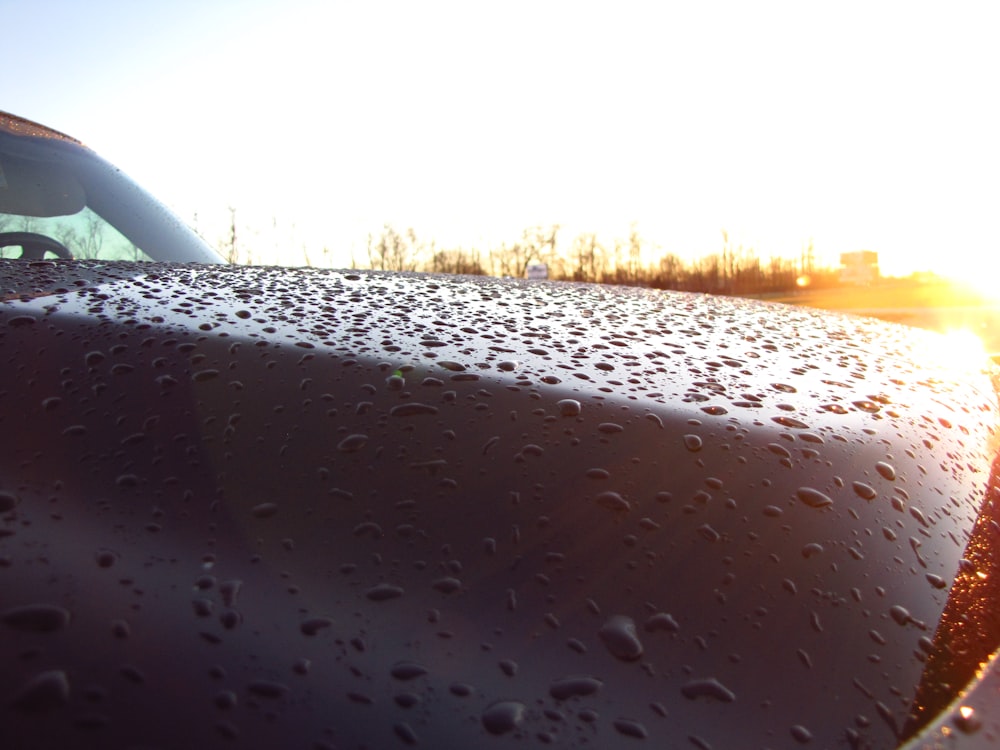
x,y
300,508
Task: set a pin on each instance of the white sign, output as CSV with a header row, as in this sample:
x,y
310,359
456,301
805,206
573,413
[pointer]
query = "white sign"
x,y
538,271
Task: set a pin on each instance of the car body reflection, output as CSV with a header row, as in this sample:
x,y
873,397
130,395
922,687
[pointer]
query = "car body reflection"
x,y
365,510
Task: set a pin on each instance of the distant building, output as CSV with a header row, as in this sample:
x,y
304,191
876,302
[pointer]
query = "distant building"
x,y
859,268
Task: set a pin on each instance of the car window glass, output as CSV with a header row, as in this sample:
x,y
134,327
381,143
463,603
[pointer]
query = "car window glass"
x,y
65,201
85,234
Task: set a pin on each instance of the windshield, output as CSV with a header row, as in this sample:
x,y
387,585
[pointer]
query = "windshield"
x,y
85,234
60,200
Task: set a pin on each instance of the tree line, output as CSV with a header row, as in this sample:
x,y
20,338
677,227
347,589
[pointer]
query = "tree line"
x,y
734,269
631,260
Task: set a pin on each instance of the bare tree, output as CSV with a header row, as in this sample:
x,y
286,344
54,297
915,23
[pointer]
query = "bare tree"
x,y
231,249
458,261
634,253
85,238
508,260
670,273
588,261
393,251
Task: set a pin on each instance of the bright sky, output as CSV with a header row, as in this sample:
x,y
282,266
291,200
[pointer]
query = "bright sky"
x,y
860,125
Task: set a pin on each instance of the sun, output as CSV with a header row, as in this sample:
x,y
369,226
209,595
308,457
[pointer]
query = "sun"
x,y
981,277
962,350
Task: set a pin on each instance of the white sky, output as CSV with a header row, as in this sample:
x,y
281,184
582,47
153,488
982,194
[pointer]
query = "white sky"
x,y
860,125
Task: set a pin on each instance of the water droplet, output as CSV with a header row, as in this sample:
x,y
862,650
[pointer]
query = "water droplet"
x,y
532,450
383,592
369,529
405,732
7,501
447,585
801,734
132,674
226,699
966,721
813,498
43,692
105,558
936,581
867,406
791,422
613,501
575,686
900,615
619,636
36,618
352,443
230,591
661,622
503,716
886,470
864,491
315,624
708,688
412,409
127,480
508,666
568,407
408,670
692,443
811,550
267,689
264,510
708,533
779,450
816,623
630,728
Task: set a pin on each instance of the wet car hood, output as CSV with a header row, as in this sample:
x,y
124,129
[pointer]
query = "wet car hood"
x,y
360,509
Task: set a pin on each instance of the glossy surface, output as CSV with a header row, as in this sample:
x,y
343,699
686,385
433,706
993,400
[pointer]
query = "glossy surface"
x,y
59,199
368,510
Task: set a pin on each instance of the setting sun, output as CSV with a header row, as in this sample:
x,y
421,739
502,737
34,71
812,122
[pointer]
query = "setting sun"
x,y
961,349
981,275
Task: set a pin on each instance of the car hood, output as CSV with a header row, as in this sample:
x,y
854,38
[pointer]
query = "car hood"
x,y
371,509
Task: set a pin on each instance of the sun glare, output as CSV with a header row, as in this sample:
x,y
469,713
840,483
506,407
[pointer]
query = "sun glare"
x,y
982,277
961,349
